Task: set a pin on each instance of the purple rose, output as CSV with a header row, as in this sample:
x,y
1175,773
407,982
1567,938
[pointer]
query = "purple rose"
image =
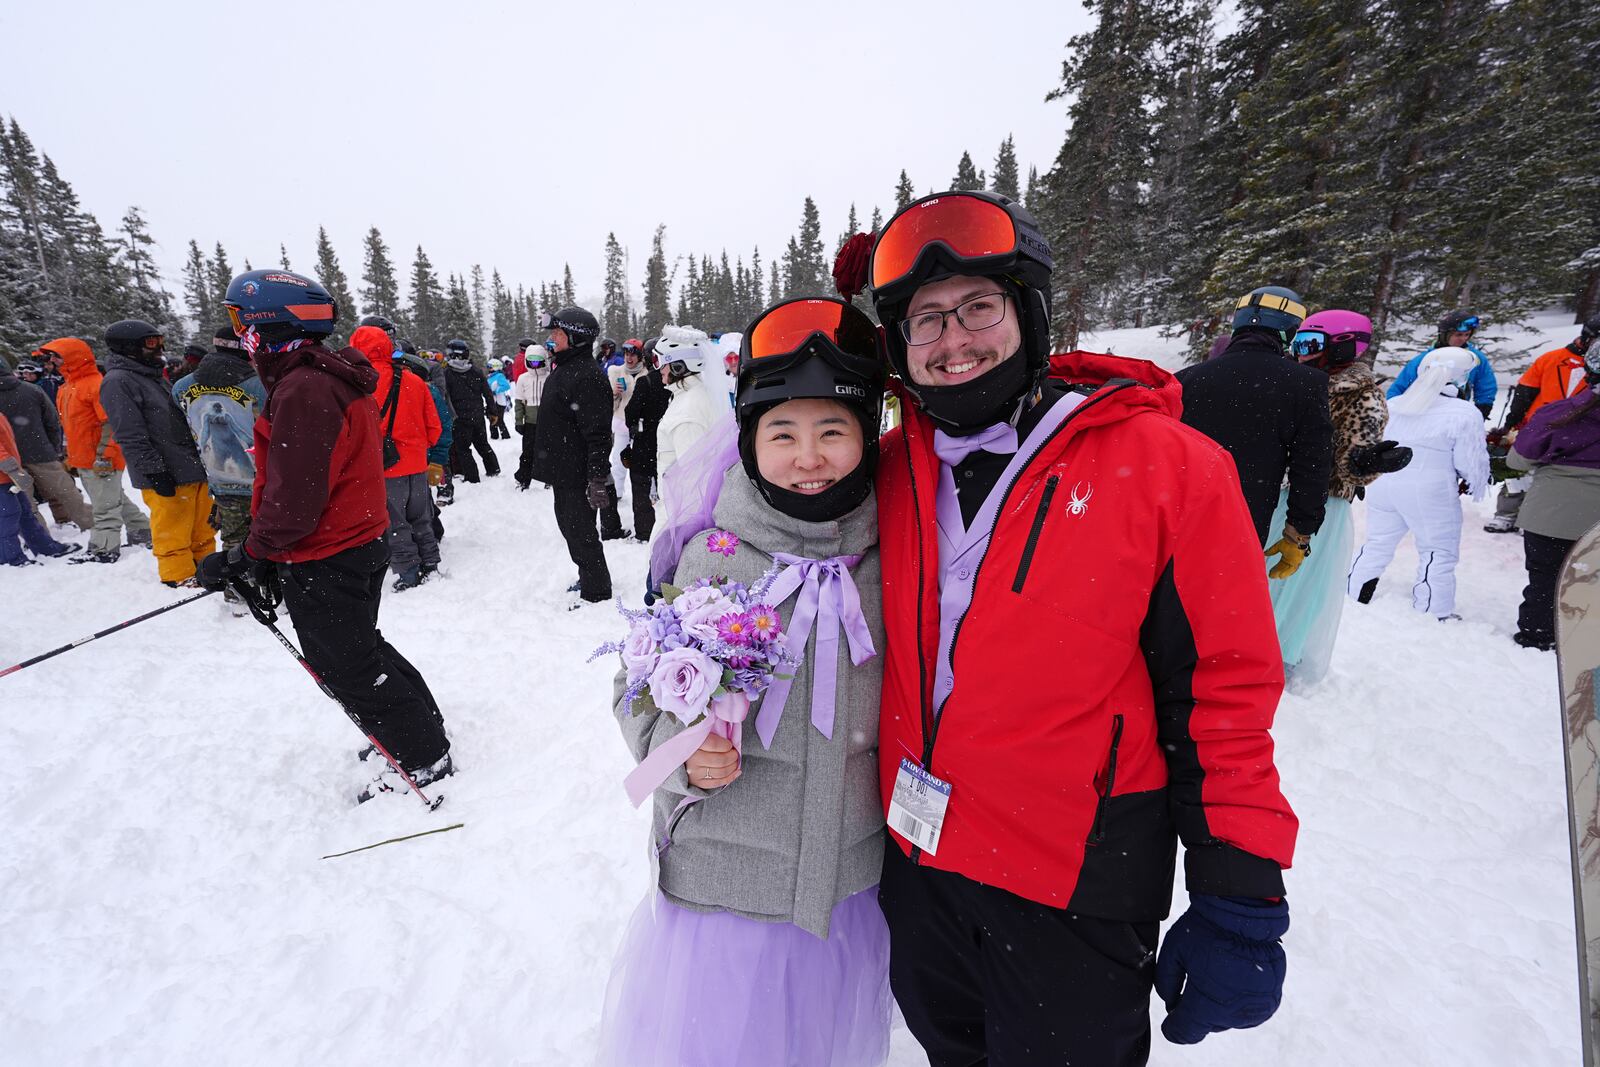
x,y
683,681
639,653
703,610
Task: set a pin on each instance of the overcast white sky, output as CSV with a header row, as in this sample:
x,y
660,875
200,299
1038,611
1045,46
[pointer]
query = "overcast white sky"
x,y
518,135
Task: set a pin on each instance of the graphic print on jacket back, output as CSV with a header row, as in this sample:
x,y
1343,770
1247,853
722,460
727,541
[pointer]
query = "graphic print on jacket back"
x,y
222,419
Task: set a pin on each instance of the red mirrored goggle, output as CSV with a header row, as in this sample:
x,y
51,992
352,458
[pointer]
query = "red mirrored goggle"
x,y
969,227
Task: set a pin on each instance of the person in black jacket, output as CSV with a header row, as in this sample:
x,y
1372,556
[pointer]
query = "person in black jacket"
x,y
469,393
645,408
1271,413
572,444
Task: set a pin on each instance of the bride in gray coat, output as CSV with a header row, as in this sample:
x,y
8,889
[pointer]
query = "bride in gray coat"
x,y
762,941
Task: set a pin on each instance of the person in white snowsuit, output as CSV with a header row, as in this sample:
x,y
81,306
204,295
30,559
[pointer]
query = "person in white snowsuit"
x,y
691,367
1445,434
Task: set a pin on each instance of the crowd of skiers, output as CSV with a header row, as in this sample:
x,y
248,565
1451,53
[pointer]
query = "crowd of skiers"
x,y
325,471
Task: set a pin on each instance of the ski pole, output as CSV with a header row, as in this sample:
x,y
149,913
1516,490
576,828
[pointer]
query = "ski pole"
x,y
103,633
268,618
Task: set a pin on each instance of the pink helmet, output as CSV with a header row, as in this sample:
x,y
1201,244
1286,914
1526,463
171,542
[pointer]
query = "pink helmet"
x,y
1348,334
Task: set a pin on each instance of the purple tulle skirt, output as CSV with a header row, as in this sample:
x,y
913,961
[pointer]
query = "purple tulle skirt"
x,y
693,989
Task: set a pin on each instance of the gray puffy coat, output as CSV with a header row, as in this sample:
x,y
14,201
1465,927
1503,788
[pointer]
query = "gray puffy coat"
x,y
801,829
148,424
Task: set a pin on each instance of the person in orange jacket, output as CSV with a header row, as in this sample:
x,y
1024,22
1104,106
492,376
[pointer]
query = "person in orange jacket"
x,y
94,454
16,508
407,415
1555,375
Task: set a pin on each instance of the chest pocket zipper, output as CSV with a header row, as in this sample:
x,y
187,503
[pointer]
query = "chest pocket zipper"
x,y
1033,534
1098,833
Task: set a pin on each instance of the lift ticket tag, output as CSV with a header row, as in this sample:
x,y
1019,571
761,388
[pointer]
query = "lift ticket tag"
x,y
916,811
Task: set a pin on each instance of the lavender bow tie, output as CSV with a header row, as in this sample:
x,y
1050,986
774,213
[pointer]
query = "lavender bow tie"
x,y
827,596
999,438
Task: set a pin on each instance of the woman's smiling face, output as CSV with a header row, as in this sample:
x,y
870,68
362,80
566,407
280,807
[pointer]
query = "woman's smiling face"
x,y
805,446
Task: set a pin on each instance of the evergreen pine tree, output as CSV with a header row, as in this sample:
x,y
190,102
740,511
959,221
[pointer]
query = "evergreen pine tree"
x,y
657,295
197,290
147,297
333,279
614,306
877,220
283,257
966,178
380,291
774,290
904,192
221,277
805,269
1005,170
504,338
480,331
569,292
426,315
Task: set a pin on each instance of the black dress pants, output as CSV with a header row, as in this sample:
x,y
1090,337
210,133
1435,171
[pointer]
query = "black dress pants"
x,y
575,520
986,977
333,604
1544,555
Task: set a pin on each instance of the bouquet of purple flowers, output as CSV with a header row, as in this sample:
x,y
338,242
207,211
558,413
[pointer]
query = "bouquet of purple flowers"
x,y
701,654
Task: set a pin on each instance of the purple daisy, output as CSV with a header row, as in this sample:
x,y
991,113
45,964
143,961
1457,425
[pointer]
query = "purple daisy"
x,y
763,623
722,543
735,628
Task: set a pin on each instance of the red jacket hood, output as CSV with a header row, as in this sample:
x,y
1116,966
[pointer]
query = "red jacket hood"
x,y
373,343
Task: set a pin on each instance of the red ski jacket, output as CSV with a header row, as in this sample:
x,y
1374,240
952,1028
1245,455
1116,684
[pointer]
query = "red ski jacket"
x,y
1116,674
416,420
319,485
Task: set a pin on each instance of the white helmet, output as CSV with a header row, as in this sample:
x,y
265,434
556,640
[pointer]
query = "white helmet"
x,y
685,345
495,364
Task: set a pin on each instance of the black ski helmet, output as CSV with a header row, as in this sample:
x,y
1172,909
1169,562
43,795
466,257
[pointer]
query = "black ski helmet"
x,y
380,321
1274,308
405,345
964,233
607,345
279,305
1590,331
223,337
131,338
811,348
522,345
456,347
579,325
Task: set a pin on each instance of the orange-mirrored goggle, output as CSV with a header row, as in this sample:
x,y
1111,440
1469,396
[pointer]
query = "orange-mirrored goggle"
x,y
970,227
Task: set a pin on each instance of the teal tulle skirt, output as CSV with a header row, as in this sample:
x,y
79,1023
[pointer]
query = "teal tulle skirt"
x,y
1307,604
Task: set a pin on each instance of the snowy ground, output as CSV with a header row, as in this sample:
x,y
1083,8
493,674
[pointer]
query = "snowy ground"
x,y
170,789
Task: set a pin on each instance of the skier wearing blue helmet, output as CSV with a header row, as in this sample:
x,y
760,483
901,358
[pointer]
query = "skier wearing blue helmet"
x,y
1456,331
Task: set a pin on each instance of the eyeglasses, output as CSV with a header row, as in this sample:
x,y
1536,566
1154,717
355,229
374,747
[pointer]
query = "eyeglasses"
x,y
969,227
1308,343
975,313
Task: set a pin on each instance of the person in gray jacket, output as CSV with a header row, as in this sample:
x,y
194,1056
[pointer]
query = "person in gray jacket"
x,y
766,891
33,417
159,449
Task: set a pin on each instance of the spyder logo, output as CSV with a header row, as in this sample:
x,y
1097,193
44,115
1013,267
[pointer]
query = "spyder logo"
x,y
1078,502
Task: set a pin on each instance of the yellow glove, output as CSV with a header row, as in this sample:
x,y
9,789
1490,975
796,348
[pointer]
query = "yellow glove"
x,y
1292,554
435,474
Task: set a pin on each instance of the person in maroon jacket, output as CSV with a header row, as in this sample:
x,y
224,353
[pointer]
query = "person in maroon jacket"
x,y
1081,668
318,516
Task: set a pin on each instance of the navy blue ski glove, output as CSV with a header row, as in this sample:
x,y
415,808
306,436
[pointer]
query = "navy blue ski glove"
x,y
1221,966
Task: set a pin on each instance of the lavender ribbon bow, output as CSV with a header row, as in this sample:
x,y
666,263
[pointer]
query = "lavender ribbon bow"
x,y
1000,437
827,596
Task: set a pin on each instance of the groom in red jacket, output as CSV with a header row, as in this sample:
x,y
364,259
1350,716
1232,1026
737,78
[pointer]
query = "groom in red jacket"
x,y
1082,668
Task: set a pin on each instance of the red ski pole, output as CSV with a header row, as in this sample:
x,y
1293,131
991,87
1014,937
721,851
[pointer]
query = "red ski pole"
x,y
103,633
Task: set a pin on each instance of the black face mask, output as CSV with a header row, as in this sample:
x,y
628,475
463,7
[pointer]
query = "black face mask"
x,y
834,502
969,407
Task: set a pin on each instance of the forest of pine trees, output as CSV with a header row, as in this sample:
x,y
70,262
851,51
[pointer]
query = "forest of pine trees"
x,y
1396,158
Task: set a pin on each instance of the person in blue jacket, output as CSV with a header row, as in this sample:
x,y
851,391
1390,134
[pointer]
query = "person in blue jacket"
x,y
1455,331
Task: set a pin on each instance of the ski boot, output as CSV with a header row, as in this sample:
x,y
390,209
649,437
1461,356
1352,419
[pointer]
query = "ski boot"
x,y
61,548
1500,524
408,579
389,781
426,571
190,582
1365,595
91,556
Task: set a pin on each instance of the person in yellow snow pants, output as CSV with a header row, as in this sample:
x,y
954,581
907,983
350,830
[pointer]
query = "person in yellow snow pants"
x,y
180,530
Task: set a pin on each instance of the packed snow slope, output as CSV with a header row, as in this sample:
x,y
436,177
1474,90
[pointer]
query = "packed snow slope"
x,y
170,791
